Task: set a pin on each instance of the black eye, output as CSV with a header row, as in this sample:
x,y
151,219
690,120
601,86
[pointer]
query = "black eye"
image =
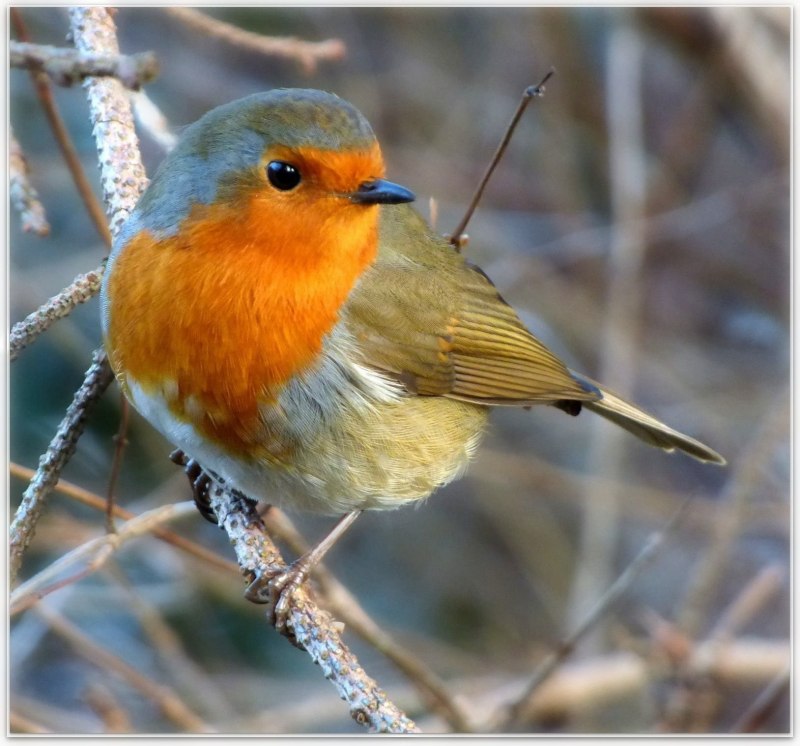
x,y
282,175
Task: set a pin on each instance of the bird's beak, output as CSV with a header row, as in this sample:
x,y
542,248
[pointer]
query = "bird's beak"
x,y
381,192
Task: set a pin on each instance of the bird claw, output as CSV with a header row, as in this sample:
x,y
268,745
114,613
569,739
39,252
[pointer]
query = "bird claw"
x,y
278,591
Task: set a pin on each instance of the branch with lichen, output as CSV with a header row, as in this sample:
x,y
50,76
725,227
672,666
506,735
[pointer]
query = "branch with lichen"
x,y
81,289
61,448
308,626
21,193
306,53
67,66
121,170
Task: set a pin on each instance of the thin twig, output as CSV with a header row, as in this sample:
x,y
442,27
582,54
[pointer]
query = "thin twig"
x,y
754,716
731,512
67,66
617,338
98,503
309,627
81,289
152,120
338,600
531,92
121,170
120,441
61,448
22,194
94,553
517,712
172,706
306,53
44,92
104,704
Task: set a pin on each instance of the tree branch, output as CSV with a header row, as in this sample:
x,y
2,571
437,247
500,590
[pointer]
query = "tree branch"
x,y
309,627
21,193
68,66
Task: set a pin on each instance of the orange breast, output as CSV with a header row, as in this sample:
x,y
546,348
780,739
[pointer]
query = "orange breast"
x,y
218,318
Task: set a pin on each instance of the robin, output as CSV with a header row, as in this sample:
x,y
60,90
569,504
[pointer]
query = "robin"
x,y
278,311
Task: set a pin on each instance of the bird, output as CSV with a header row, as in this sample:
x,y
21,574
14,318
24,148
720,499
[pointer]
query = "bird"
x,y
278,310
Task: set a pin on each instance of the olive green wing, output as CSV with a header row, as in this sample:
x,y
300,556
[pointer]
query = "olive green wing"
x,y
425,315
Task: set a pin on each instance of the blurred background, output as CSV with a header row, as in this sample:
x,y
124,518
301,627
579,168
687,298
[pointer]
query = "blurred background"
x,y
639,222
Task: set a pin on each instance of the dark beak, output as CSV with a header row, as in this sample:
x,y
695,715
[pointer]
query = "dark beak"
x,y
381,192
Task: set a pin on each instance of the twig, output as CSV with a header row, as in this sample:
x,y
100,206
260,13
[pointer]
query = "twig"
x,y
121,170
749,601
18,723
306,53
82,288
731,509
152,120
22,194
531,92
95,553
339,600
517,712
67,66
98,503
61,448
114,718
763,705
311,628
120,441
162,696
45,94
600,518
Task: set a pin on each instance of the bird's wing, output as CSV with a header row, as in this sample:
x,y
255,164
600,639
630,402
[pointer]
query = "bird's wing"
x,y
436,323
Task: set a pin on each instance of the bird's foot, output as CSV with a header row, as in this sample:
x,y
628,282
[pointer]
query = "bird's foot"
x,y
277,590
200,483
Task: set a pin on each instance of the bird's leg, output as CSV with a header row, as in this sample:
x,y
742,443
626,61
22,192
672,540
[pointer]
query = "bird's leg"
x,y
200,483
277,589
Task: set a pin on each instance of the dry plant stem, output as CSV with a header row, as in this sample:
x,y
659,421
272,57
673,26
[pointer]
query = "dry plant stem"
x,y
346,607
306,53
172,706
22,195
731,510
627,173
114,718
120,441
517,713
98,503
18,723
82,288
121,170
311,628
763,705
61,448
44,92
93,554
67,66
198,686
152,120
750,600
531,92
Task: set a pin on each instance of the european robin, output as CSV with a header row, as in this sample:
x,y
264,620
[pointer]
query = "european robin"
x,y
280,313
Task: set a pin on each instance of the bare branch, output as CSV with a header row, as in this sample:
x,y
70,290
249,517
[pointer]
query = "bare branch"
x,y
44,92
306,53
92,555
67,66
82,288
61,448
519,711
311,628
170,704
98,503
22,194
121,169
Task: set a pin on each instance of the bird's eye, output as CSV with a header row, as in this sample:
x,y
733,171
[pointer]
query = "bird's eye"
x,y
282,175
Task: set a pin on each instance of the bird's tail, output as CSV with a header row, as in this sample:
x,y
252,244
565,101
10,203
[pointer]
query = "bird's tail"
x,y
644,426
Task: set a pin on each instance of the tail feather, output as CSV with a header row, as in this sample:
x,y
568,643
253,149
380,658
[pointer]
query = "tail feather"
x,y
644,426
